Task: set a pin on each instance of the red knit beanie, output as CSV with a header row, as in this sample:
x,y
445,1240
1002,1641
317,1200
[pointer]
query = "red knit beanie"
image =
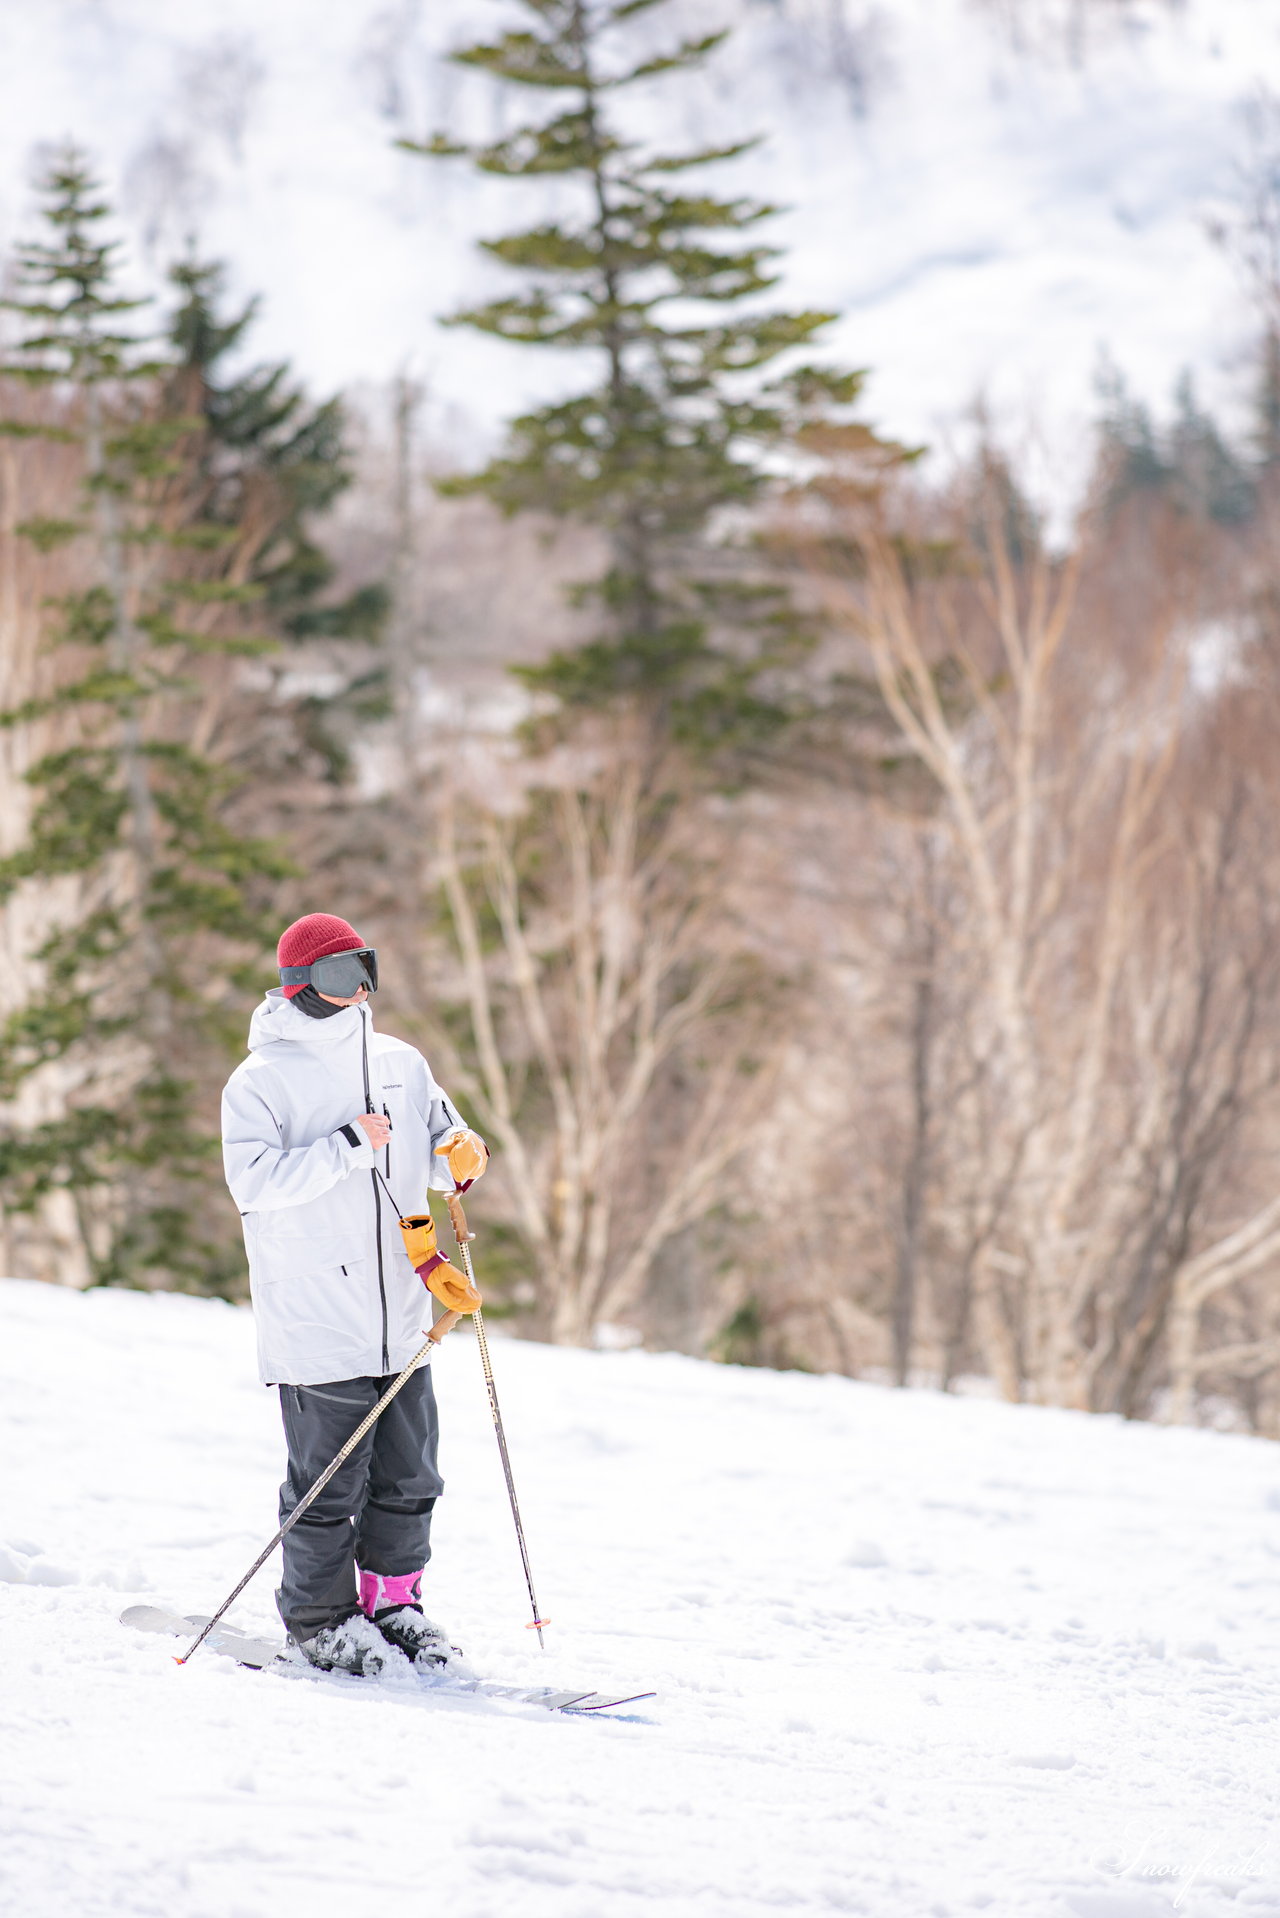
x,y
313,937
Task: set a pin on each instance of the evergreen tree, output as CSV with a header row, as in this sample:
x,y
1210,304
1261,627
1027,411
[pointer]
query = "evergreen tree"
x,y
170,898
663,283
1190,462
1211,478
272,460
261,427
1130,445
1266,438
612,1005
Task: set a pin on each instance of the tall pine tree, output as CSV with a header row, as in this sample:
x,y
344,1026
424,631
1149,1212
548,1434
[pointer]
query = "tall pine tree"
x,y
617,1035
661,285
130,796
262,432
272,461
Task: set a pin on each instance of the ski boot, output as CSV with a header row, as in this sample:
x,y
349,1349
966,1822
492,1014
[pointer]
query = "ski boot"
x,y
392,1601
354,1645
422,1642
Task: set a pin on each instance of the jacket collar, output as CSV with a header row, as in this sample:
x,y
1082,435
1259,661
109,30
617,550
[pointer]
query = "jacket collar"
x,y
278,1019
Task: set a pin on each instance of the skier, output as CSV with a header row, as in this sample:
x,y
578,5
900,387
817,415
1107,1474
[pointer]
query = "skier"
x,y
313,1122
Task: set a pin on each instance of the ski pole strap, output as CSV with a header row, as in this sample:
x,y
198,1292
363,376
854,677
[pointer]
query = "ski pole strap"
x,y
377,1173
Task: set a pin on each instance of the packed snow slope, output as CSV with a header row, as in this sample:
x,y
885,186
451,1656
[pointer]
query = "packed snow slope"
x,y
916,1655
989,191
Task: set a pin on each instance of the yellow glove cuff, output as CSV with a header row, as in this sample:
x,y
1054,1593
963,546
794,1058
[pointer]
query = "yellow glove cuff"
x,y
441,1279
419,1237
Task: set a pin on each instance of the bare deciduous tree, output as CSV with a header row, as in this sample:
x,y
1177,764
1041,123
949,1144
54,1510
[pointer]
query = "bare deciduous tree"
x,y
594,959
1109,899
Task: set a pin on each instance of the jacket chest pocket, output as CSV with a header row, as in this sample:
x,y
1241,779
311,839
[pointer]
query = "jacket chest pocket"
x,y
406,1124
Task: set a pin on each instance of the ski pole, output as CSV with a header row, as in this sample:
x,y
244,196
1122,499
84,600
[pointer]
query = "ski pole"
x,y
437,1332
460,1232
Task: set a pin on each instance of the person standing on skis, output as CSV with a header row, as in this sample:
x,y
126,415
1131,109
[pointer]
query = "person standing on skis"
x,y
320,1124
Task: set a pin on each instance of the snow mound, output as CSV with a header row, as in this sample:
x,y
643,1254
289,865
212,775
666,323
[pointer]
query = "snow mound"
x,y
915,1656
31,1567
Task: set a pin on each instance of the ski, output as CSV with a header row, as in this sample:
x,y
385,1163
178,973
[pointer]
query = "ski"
x,y
227,1640
264,1654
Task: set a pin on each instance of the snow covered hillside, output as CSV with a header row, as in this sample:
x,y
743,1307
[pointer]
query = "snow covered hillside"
x,y
915,1655
986,214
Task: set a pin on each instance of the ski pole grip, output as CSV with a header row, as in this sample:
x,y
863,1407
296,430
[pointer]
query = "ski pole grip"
x,y
458,1217
445,1323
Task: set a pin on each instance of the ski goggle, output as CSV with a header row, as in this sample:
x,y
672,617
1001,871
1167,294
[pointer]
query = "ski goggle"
x,y
339,974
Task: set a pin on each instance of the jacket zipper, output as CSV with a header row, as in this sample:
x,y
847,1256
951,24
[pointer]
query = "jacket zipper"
x,y
386,1357
382,1283
377,1196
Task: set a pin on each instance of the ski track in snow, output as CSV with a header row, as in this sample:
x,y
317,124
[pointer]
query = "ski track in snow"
x,y
916,1655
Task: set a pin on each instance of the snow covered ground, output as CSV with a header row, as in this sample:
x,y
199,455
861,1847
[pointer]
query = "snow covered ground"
x,y
987,207
916,1655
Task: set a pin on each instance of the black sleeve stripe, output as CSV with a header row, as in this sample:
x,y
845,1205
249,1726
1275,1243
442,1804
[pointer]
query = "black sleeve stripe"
x,y
350,1134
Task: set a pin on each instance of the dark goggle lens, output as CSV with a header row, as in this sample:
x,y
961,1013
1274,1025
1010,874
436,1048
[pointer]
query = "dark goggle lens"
x,y
342,974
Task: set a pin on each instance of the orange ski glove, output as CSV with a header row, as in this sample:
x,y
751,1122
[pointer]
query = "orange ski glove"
x,y
441,1279
466,1155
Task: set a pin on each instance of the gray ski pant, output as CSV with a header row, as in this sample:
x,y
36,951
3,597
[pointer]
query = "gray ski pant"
x,y
375,1512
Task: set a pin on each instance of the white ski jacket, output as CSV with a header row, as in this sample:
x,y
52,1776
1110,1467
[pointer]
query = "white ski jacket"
x,y
334,1294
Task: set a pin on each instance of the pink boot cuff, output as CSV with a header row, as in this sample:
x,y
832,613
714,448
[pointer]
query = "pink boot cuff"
x,y
381,1592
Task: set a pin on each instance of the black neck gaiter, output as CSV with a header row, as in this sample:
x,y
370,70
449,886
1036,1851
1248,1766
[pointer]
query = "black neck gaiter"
x,y
310,1002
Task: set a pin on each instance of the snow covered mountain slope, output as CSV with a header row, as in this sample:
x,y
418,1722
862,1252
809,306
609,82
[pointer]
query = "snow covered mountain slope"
x,y
986,214
916,1655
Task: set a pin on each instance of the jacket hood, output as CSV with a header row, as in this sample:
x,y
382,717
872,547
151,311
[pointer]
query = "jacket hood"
x,y
277,1018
